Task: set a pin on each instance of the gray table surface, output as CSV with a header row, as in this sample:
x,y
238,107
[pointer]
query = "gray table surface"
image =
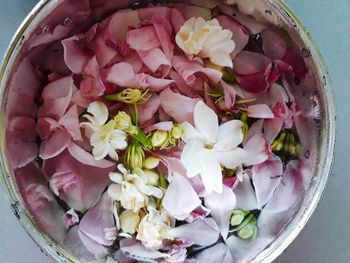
x,y
326,237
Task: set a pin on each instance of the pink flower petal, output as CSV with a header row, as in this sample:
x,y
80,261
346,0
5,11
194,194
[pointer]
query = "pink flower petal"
x,y
21,145
218,253
149,12
152,83
240,34
56,97
177,106
187,70
266,177
97,219
155,60
195,232
289,190
230,95
260,111
70,121
55,144
189,11
161,126
245,195
254,72
177,19
148,109
139,253
74,57
70,218
143,39
257,150
181,84
122,74
164,32
63,182
93,247
180,206
221,206
198,214
120,23
58,33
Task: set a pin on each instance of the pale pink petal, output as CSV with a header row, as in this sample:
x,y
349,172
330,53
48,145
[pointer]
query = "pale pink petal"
x,y
98,250
218,253
70,121
189,11
230,95
152,83
155,60
221,206
266,177
177,106
245,195
70,218
289,190
55,144
121,22
199,213
164,32
177,19
63,182
260,111
148,12
197,230
75,58
206,121
138,252
270,223
122,74
173,165
59,32
230,135
148,109
21,145
161,126
181,84
307,131
97,219
143,39
254,129
180,206
257,150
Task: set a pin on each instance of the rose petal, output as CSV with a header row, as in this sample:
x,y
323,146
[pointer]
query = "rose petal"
x,y
257,150
260,111
122,74
148,109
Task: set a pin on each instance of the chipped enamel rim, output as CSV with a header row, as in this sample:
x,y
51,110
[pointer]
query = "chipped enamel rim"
x,y
310,199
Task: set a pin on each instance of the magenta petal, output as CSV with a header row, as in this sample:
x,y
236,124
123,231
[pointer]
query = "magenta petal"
x,y
75,59
257,149
21,145
221,206
254,71
161,126
197,230
55,144
177,106
56,97
266,177
289,190
240,34
74,245
180,206
122,74
260,111
218,253
97,220
152,83
148,109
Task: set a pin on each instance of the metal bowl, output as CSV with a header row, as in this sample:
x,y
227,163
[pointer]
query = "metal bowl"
x,y
276,11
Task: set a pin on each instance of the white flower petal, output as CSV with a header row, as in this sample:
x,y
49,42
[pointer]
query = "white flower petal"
x,y
190,157
231,159
190,133
245,195
101,150
115,191
99,111
116,177
206,121
113,154
230,135
211,173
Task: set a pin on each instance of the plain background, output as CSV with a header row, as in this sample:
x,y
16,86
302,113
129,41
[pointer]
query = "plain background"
x,y
326,238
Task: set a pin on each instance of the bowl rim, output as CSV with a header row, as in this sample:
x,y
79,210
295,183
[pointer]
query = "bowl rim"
x,y
290,231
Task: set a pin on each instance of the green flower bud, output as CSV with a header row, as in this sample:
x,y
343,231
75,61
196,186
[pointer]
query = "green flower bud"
x,y
123,122
134,155
278,143
128,95
249,231
160,138
177,131
151,162
238,217
152,177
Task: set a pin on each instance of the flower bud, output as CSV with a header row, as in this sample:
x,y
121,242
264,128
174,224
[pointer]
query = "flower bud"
x,y
152,177
238,217
128,95
135,155
177,131
249,231
129,221
123,122
151,162
159,138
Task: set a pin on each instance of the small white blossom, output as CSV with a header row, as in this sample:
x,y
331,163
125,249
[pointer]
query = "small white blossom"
x,y
132,189
207,39
104,137
129,221
154,228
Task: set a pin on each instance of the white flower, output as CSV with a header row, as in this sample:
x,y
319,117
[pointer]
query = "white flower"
x,y
104,137
132,189
154,228
207,39
210,146
129,221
